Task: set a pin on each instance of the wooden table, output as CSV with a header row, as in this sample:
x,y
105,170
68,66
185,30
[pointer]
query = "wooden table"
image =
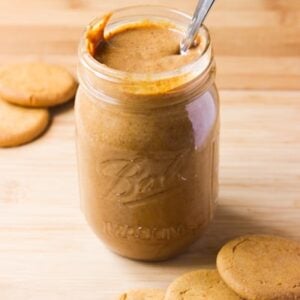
x,y
46,249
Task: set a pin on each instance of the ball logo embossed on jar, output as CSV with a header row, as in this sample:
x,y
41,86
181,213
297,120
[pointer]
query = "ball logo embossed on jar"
x,y
138,179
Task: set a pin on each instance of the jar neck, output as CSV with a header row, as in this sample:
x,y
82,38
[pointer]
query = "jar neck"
x,y
151,89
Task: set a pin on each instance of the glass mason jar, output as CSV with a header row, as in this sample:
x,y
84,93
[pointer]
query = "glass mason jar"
x,y
147,147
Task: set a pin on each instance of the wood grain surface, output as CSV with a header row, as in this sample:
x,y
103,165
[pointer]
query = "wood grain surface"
x,y
46,249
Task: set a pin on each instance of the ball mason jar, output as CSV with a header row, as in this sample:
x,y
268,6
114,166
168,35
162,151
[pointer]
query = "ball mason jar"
x,y
147,148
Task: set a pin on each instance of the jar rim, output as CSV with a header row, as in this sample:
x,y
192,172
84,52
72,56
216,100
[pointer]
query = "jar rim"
x,y
107,73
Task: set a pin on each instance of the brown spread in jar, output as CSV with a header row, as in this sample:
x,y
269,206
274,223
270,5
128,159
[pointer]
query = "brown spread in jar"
x,y
148,161
143,47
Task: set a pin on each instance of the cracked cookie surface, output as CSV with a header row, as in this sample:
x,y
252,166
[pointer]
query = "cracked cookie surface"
x,y
198,285
36,84
143,294
261,267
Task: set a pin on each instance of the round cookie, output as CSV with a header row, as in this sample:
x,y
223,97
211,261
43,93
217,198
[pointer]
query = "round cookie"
x,y
143,294
36,84
261,267
19,125
198,285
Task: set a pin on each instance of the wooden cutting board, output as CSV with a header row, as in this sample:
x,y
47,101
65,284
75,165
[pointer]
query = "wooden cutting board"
x,y
46,249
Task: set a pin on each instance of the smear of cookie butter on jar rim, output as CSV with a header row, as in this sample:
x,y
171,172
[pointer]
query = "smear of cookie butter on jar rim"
x,y
95,34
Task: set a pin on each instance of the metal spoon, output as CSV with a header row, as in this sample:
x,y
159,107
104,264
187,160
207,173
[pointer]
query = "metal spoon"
x,y
200,13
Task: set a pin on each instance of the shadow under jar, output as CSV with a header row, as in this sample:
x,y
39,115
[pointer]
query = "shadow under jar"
x,y
147,147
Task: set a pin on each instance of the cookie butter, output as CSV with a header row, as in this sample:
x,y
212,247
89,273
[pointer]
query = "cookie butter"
x,y
144,48
147,133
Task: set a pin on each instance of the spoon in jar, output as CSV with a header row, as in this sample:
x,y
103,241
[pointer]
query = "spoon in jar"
x,y
200,14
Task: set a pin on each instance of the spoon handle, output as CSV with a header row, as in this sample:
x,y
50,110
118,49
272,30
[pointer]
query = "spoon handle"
x,y
200,13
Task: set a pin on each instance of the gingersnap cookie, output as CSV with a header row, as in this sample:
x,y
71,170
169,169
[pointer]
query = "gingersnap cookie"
x,y
261,267
143,294
19,125
201,284
36,84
